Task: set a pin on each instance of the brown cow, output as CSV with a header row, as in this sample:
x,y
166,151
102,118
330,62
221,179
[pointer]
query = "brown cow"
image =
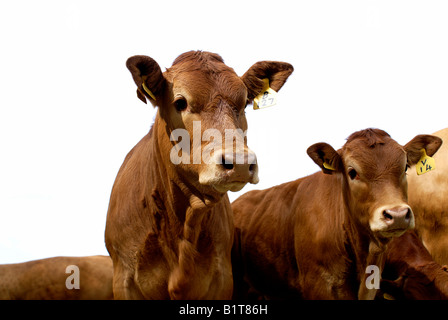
x,y
411,273
169,226
50,279
314,238
428,196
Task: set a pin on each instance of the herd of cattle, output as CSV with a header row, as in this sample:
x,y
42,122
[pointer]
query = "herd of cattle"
x,y
172,232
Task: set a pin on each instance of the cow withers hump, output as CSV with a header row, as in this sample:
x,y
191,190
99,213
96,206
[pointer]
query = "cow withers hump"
x,y
314,238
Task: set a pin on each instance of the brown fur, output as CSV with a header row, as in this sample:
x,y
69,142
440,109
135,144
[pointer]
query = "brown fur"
x,y
45,279
311,238
411,273
169,235
428,195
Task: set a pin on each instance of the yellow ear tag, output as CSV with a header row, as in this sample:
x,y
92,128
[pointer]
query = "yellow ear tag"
x,y
329,166
147,89
425,164
388,296
267,97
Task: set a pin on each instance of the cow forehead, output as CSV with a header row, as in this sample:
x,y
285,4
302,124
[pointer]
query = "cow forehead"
x,y
380,158
201,77
202,87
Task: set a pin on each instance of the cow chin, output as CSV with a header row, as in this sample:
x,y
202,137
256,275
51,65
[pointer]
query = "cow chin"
x,y
233,186
386,234
222,186
223,181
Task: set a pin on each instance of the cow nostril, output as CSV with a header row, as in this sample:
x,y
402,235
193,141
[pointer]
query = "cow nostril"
x,y
252,167
227,166
408,215
387,216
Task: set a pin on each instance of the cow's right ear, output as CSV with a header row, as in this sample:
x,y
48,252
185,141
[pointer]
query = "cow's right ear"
x,y
276,72
147,76
325,157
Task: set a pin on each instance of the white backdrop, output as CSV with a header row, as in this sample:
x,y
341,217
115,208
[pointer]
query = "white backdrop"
x,y
69,112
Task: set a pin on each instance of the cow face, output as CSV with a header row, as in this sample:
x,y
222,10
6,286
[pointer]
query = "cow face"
x,y
373,167
202,104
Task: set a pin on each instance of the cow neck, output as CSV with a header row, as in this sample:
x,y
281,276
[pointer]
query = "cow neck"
x,y
179,196
362,247
363,252
186,211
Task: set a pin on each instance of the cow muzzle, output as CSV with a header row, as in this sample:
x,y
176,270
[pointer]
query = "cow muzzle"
x,y
230,171
392,221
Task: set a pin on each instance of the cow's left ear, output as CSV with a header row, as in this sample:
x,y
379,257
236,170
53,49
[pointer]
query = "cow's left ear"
x,y
325,157
423,141
276,72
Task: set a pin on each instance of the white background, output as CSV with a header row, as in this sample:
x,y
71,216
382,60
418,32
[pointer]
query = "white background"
x,y
69,112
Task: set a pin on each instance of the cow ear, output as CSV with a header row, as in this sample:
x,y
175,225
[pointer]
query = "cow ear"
x,y
414,147
325,157
276,72
147,76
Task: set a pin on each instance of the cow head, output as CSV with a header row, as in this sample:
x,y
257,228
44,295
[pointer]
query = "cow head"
x,y
373,167
202,106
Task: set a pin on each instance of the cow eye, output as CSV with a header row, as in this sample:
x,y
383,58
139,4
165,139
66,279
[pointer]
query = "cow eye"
x,y
352,173
180,104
